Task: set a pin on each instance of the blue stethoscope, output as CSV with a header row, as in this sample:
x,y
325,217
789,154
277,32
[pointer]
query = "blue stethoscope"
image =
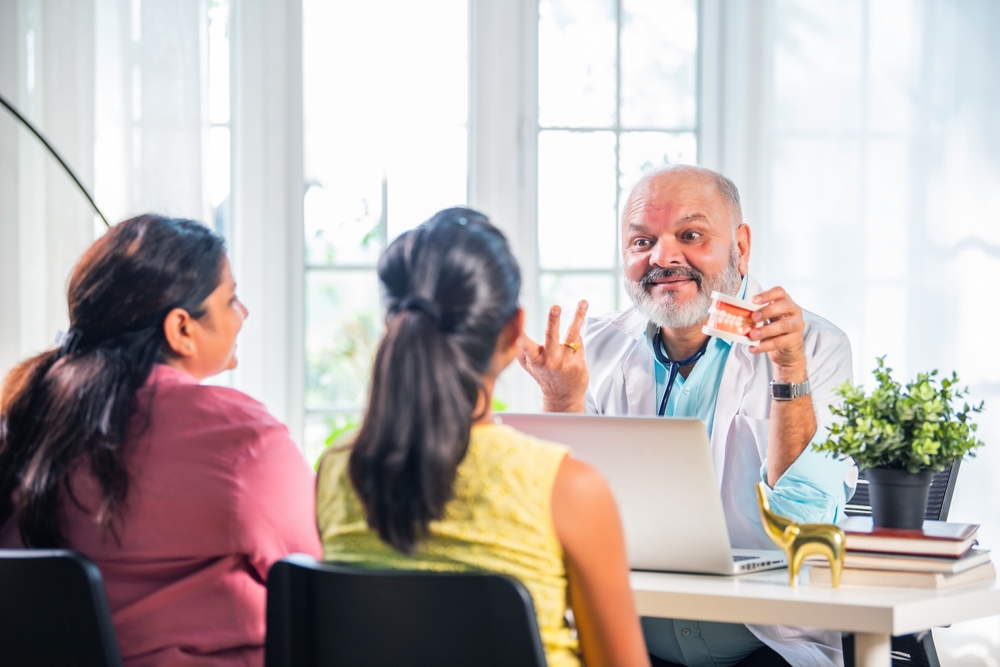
x,y
674,366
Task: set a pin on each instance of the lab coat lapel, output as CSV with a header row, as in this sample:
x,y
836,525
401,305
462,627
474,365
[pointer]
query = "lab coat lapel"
x,y
640,382
736,378
737,374
637,368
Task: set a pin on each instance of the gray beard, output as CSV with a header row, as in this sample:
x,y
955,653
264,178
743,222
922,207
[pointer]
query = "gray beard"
x,y
669,314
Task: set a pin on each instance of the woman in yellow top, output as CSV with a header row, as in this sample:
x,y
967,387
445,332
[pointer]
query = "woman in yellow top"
x,y
430,482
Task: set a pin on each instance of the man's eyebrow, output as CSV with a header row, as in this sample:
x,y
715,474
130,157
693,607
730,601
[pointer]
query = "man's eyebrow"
x,y
639,227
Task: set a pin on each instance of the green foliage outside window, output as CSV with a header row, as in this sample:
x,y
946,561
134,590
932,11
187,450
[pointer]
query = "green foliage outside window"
x,y
913,428
340,425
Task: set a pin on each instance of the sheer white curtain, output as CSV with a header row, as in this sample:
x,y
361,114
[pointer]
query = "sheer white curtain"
x,y
879,204
151,107
864,137
46,69
125,106
136,94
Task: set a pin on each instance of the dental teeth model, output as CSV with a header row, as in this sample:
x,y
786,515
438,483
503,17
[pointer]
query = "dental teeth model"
x,y
729,319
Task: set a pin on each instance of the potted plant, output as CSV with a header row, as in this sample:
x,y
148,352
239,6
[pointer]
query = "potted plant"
x,y
902,436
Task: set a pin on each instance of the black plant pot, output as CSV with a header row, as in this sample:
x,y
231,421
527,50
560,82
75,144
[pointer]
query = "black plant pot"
x,y
898,497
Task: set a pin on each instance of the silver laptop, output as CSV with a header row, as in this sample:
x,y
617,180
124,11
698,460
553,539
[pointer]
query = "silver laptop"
x,y
662,475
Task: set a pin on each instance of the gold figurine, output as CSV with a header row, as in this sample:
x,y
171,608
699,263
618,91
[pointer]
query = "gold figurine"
x,y
799,541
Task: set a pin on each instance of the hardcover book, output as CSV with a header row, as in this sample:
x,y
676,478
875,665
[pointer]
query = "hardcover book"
x,y
862,560
820,576
936,538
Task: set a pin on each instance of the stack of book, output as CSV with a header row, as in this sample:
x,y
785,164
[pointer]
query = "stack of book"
x,y
940,555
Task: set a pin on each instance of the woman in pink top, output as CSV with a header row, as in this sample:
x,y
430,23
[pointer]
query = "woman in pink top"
x,y
183,494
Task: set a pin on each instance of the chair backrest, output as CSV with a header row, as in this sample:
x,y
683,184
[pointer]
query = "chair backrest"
x,y
54,611
322,614
938,500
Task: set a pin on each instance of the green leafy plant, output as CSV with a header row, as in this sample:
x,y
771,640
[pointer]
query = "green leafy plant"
x,y
913,428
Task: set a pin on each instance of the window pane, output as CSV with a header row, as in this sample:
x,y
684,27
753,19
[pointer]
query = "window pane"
x,y
322,430
385,102
641,152
343,324
426,174
659,69
576,63
218,61
341,228
576,199
566,290
217,167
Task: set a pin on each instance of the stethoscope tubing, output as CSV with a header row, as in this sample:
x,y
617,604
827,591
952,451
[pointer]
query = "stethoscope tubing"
x,y
673,366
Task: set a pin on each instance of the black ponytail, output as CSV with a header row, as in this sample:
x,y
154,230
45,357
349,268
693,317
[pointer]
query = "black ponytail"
x,y
449,286
70,406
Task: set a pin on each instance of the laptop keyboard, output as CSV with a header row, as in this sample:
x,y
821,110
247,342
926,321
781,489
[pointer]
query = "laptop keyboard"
x,y
740,557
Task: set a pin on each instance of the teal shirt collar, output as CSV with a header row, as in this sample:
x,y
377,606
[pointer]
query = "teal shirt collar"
x,y
696,396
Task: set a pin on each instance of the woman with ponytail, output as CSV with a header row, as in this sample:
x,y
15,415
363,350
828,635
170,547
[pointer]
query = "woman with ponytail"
x,y
182,494
431,482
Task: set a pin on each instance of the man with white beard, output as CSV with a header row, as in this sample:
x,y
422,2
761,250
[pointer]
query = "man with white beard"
x,y
683,236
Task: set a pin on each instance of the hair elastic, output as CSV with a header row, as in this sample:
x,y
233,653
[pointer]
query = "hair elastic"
x,y
425,306
70,342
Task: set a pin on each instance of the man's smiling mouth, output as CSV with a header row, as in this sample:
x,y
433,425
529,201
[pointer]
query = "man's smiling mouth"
x,y
670,278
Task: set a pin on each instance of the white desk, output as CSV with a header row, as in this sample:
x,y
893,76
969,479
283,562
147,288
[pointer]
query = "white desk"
x,y
873,614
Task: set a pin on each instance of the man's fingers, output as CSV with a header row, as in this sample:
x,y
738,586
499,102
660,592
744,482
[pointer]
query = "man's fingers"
x,y
552,330
783,342
774,310
573,333
773,294
529,349
786,325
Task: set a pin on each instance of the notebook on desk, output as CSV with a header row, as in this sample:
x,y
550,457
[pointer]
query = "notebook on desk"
x,y
661,473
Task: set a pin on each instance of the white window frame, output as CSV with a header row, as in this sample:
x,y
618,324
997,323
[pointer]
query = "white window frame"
x,y
503,142
503,152
267,187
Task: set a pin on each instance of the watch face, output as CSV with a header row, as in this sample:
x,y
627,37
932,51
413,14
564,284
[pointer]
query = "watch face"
x,y
782,391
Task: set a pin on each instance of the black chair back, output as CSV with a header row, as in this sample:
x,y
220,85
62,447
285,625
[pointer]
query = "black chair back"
x,y
323,614
938,500
54,611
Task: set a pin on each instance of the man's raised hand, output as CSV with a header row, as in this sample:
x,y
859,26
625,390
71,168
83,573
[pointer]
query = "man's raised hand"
x,y
781,335
559,366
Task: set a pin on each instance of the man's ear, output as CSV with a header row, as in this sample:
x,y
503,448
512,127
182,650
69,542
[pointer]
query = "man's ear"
x,y
743,248
177,330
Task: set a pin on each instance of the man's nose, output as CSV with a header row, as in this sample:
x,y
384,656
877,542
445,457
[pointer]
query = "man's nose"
x,y
667,252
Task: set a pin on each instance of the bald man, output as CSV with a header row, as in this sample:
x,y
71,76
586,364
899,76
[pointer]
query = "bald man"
x,y
683,236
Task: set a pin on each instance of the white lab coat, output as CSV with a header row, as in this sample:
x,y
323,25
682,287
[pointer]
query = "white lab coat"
x,y
622,382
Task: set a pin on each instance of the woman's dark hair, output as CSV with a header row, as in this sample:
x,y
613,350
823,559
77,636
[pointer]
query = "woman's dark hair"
x,y
70,406
449,288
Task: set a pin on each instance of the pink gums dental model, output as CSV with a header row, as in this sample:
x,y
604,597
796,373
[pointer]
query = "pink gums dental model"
x,y
729,319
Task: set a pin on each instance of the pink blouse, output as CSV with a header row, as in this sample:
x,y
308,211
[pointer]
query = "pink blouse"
x,y
218,492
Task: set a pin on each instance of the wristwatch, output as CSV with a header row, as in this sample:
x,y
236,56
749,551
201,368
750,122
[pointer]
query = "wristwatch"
x,y
789,391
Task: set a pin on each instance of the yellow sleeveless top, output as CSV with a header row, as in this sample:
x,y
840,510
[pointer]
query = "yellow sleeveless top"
x,y
500,520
